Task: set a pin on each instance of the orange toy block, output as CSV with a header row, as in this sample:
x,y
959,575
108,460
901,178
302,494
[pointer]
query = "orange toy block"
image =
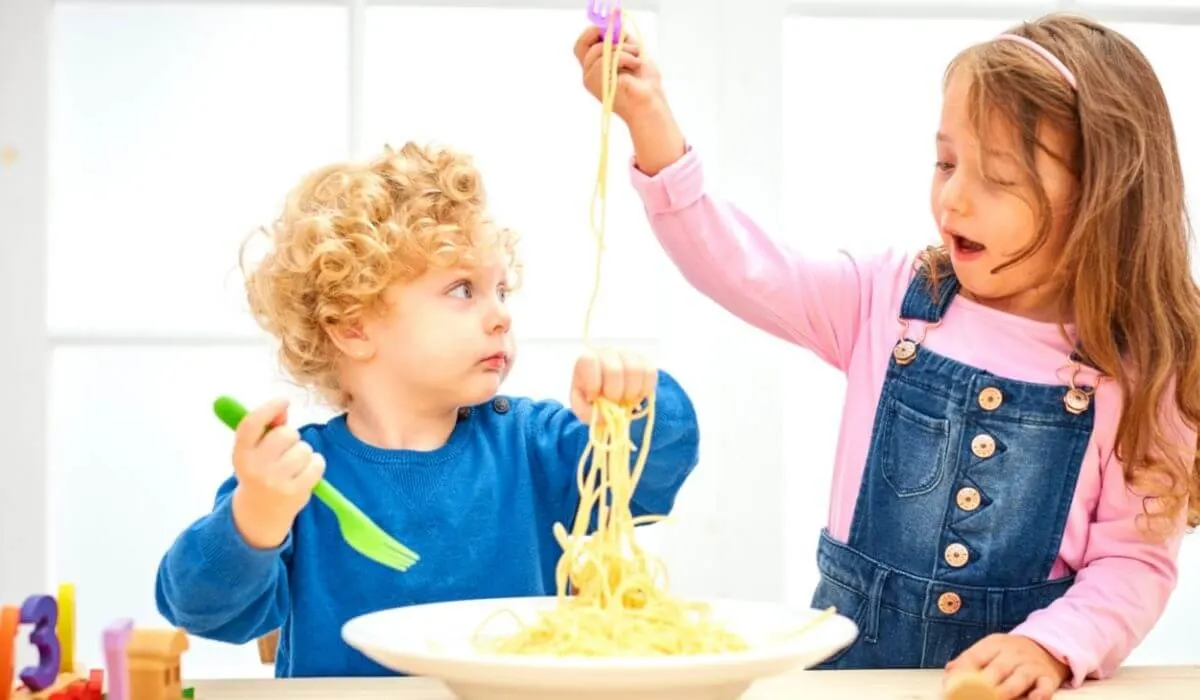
x,y
10,619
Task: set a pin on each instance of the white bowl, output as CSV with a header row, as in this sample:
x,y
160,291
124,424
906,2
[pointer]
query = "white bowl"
x,y
436,641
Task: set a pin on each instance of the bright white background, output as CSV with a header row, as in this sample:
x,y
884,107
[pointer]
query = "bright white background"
x,y
139,142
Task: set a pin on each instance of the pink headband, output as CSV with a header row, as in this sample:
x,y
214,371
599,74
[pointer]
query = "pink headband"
x,y
1045,54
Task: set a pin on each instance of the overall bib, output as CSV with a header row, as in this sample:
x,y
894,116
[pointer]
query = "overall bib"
x,y
965,494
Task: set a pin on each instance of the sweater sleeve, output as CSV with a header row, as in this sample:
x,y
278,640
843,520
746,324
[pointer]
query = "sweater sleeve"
x,y
818,303
213,584
558,439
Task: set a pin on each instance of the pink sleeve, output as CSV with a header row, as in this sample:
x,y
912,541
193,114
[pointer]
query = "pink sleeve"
x,y
817,304
1121,589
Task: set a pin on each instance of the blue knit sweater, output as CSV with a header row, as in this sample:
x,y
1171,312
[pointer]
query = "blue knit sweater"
x,y
479,510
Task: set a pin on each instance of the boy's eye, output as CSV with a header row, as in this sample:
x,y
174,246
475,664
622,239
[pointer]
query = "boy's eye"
x,y
944,166
461,290
502,292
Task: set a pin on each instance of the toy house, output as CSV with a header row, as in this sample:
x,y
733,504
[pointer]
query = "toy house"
x,y
154,664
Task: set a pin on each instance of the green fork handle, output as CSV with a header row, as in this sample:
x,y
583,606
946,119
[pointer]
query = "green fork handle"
x,y
231,414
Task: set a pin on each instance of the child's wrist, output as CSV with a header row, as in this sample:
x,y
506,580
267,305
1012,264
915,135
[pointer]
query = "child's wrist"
x,y
260,525
657,139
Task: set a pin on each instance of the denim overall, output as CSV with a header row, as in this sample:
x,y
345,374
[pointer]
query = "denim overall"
x,y
964,497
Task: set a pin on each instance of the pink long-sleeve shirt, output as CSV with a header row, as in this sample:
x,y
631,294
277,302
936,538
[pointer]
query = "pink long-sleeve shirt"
x,y
845,309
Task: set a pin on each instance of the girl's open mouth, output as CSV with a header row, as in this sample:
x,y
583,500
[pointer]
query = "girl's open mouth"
x,y
966,246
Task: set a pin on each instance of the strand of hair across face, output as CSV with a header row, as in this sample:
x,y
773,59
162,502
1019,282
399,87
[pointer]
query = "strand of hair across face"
x,y
612,596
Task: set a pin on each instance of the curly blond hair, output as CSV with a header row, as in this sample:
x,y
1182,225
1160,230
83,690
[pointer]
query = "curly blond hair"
x,y
349,231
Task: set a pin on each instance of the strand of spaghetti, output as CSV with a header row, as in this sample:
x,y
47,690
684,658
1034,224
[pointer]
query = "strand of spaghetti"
x,y
608,95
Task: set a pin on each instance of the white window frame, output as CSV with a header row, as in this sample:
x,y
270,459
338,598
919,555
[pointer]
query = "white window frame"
x,y
722,59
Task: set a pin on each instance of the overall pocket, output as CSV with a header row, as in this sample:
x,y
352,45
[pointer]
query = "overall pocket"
x,y
913,447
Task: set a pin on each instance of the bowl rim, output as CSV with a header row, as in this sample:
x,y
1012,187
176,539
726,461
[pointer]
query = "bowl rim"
x,y
837,632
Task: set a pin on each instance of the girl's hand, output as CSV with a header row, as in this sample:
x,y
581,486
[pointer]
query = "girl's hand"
x,y
639,84
639,100
620,376
1014,665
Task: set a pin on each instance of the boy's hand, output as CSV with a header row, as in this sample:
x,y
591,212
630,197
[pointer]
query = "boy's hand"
x,y
276,473
620,376
1014,665
639,100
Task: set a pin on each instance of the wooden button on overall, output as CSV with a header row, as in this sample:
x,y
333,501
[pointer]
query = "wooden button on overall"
x,y
957,555
983,446
967,498
990,398
949,603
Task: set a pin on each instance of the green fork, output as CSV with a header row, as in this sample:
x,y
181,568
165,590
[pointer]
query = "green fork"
x,y
364,536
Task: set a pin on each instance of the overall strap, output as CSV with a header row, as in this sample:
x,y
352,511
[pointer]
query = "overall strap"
x,y
921,304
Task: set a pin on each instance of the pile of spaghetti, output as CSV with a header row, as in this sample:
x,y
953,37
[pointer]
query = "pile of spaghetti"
x,y
612,596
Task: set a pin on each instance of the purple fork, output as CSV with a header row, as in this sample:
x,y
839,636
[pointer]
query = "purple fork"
x,y
599,12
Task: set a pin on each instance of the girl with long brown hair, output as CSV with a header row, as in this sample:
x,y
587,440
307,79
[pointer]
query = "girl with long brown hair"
x,y
1017,459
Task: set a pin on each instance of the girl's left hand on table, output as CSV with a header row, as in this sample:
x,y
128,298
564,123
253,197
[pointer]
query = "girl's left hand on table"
x,y
1014,665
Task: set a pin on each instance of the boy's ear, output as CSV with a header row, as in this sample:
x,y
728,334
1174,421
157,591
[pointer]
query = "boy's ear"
x,y
352,340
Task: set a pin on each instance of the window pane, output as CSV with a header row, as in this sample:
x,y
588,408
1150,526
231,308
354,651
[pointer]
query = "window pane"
x,y
859,140
136,454
175,131
510,92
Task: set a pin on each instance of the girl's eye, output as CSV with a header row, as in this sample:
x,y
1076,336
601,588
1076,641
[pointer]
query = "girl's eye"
x,y
461,290
944,166
502,292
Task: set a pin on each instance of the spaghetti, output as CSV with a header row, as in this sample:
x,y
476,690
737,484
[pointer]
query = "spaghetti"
x,y
612,596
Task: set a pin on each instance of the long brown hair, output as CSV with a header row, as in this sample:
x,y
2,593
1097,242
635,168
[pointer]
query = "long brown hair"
x,y
1124,274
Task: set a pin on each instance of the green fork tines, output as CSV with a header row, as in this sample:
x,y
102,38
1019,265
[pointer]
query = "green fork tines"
x,y
363,535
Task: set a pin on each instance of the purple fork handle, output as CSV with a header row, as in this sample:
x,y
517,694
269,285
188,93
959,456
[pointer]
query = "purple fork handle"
x,y
601,21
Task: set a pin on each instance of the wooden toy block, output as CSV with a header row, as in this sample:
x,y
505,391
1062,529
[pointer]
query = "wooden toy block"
x,y
970,686
116,660
10,619
66,626
154,664
41,611
268,644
